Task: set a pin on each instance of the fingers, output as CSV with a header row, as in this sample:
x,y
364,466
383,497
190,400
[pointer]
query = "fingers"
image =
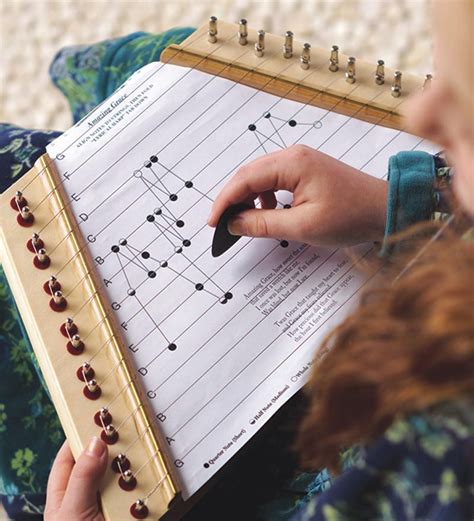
x,y
81,493
58,478
281,224
264,175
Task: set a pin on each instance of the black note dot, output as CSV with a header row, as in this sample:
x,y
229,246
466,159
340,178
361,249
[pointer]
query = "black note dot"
x,y
186,243
252,127
188,184
267,115
145,255
199,286
163,264
179,224
131,292
178,249
173,197
172,347
223,301
150,218
292,123
284,244
206,465
123,242
157,211
287,206
152,274
153,159
115,248
148,164
228,295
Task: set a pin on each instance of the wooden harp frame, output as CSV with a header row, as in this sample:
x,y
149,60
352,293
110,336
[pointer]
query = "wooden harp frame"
x,y
87,302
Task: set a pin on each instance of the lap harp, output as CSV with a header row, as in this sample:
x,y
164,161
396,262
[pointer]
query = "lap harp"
x,y
64,305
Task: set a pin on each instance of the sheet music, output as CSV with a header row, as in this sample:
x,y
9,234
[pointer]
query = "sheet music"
x,y
219,343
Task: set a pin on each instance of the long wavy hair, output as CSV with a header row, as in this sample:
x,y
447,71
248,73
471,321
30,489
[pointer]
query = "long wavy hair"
x,y
407,346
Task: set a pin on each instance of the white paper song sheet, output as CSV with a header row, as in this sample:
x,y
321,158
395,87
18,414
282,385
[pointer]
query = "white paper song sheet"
x,y
219,343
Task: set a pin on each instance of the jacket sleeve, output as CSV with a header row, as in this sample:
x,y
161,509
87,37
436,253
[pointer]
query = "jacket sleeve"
x,y
411,177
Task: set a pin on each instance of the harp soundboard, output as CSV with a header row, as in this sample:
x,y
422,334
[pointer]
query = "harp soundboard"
x,y
100,382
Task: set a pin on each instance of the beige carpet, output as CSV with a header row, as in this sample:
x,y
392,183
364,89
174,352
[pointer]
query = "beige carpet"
x,y
31,31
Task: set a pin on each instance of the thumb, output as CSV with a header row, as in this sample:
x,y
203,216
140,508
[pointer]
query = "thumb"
x,y
81,494
266,223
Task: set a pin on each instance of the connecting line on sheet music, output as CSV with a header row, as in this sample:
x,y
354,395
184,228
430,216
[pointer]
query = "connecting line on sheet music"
x,y
268,116
300,138
275,104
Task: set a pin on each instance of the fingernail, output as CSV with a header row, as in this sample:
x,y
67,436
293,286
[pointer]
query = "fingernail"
x,y
96,447
235,226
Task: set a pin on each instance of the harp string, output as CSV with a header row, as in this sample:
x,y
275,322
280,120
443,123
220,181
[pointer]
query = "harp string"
x,y
136,376
334,132
271,79
50,160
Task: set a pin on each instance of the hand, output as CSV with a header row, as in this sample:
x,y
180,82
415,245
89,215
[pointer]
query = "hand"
x,y
333,203
73,488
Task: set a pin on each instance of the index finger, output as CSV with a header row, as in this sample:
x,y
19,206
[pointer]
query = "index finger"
x,y
267,173
59,478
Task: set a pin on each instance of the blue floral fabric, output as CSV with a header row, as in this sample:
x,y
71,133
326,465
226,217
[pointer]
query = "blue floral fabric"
x,y
421,469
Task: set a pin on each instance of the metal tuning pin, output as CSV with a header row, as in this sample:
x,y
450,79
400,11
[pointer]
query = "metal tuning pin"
x,y
68,328
243,32
75,346
36,241
397,84
212,33
305,56
25,213
120,463
109,434
42,256
288,46
59,303
427,82
139,510
19,199
127,480
380,73
92,390
51,285
334,59
92,385
351,70
102,417
76,342
260,45
87,372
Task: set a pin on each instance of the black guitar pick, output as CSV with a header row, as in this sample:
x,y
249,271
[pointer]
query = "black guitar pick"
x,y
223,240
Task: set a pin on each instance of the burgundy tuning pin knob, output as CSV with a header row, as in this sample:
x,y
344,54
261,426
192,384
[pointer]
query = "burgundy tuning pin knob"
x,y
35,243
68,329
18,201
58,302
120,463
41,259
75,346
109,435
25,217
51,285
139,510
85,372
102,417
127,480
92,389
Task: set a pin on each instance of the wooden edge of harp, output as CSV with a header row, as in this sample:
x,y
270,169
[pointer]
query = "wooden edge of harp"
x,y
272,73
88,305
